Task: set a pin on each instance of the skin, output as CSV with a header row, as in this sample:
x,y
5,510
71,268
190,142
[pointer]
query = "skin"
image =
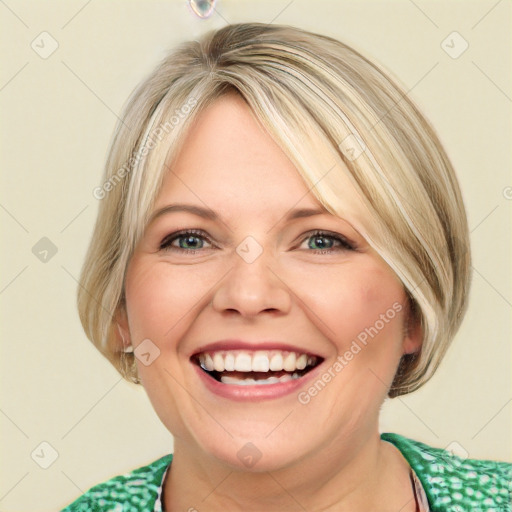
x,y
325,455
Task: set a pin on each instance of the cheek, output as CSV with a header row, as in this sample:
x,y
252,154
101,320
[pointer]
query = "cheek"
x,y
352,299
159,297
375,337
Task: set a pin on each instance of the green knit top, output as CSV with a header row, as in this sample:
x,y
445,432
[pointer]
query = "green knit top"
x,y
451,483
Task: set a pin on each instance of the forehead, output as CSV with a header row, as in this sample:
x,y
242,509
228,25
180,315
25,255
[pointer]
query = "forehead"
x,y
228,159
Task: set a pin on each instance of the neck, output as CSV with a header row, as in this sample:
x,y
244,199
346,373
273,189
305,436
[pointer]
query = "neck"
x,y
365,474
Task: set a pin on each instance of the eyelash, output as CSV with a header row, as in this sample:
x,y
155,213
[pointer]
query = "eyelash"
x,y
345,245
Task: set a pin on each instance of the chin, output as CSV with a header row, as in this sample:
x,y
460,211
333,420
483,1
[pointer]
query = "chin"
x,y
251,458
253,454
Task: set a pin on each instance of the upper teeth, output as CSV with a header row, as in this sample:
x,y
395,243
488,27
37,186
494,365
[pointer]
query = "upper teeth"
x,y
259,361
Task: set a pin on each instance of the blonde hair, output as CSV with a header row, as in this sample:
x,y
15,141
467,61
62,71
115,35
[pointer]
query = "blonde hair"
x,y
356,138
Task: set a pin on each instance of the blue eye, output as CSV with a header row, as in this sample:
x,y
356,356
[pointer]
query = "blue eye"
x,y
334,242
193,240
188,241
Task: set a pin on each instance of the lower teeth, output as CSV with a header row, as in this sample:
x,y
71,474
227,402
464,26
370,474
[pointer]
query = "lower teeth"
x,y
226,379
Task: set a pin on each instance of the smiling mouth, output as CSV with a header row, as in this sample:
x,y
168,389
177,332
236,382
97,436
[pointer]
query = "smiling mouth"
x,y
249,368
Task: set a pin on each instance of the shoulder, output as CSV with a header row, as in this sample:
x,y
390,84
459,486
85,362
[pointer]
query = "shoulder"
x,y
455,482
138,488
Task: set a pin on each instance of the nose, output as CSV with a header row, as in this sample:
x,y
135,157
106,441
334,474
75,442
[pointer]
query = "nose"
x,y
250,288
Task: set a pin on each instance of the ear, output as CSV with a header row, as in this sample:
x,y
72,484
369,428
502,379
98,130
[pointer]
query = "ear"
x,y
413,330
123,330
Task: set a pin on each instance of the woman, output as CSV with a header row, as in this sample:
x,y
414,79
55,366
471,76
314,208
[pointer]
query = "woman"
x,y
281,245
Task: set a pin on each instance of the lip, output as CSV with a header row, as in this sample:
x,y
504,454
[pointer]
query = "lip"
x,y
251,347
255,392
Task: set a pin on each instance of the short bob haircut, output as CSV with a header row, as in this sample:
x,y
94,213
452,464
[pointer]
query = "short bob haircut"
x,y
360,144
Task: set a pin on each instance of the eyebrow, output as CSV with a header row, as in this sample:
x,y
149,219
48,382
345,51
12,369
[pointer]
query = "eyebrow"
x,y
207,213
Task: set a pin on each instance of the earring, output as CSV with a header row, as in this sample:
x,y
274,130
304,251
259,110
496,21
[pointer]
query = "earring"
x,y
128,366
127,349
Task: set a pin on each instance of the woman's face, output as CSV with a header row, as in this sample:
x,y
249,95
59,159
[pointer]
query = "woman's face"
x,y
254,293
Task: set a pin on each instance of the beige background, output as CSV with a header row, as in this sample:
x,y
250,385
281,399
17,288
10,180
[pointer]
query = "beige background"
x,y
58,114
